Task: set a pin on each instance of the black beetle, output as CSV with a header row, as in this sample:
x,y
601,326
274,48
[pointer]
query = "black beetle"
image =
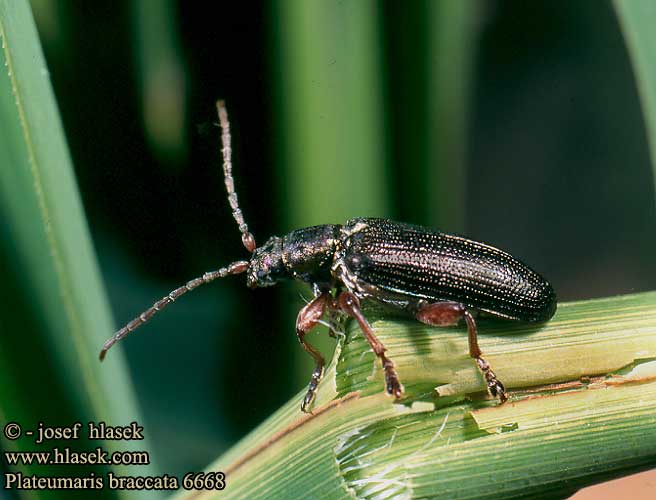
x,y
437,278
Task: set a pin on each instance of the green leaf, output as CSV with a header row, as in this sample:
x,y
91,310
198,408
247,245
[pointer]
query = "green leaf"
x,y
451,50
637,19
582,409
54,314
162,79
330,95
430,47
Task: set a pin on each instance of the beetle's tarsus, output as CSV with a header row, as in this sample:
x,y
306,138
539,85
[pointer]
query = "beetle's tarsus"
x,y
494,385
317,374
392,383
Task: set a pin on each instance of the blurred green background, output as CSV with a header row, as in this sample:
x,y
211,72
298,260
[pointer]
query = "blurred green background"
x,y
515,123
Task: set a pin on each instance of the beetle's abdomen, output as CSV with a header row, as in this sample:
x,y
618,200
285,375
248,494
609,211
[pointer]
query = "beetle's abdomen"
x,y
420,264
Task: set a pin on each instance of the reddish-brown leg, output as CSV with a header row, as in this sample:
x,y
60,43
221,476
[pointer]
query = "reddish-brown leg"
x,y
449,313
350,304
307,318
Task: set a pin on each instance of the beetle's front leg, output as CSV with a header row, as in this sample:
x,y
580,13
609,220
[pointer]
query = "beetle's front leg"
x,y
449,313
350,304
307,318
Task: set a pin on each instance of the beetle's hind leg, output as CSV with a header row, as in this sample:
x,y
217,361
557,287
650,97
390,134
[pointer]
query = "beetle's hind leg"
x,y
350,304
307,318
494,385
449,313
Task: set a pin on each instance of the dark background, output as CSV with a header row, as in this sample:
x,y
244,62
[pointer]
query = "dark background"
x,y
556,172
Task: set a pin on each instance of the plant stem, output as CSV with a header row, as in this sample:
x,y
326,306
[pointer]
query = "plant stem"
x,y
582,410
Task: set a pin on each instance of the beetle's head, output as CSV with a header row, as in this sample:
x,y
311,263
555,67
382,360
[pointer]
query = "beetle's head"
x,y
266,267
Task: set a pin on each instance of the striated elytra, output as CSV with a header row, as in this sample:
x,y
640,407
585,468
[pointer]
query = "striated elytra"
x,y
407,262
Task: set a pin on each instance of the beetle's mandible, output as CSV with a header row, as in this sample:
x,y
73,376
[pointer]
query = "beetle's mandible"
x,y
437,278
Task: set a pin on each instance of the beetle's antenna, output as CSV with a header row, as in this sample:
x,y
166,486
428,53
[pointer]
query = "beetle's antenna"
x,y
246,236
234,268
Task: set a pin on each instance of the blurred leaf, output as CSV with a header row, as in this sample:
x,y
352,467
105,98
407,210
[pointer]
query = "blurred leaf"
x,y
332,111
330,104
162,78
54,315
638,18
429,63
451,50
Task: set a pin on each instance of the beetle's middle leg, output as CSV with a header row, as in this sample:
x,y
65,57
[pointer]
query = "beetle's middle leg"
x,y
307,318
448,314
350,304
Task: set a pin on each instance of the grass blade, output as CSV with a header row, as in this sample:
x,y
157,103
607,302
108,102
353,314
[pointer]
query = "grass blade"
x,y
332,159
55,316
451,47
162,79
637,18
568,424
430,47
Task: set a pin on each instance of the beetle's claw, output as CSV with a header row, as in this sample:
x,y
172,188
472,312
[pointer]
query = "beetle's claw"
x,y
396,389
307,402
494,385
498,390
312,390
392,383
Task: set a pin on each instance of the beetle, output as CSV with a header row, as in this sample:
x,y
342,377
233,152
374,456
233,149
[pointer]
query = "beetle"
x,y
437,278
